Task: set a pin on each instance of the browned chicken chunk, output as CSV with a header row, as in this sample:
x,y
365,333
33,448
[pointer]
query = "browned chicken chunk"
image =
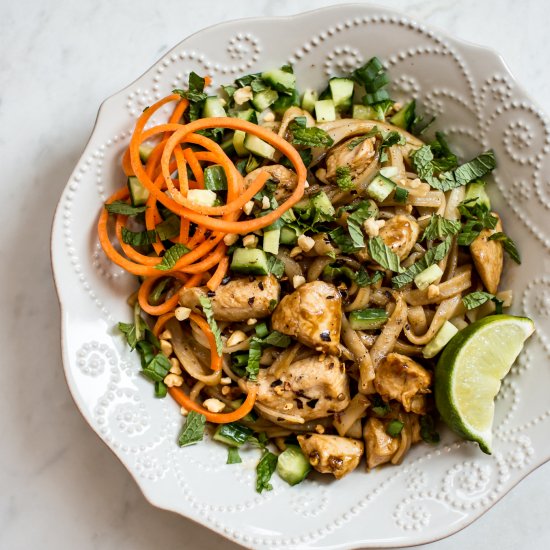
x,y
312,314
488,257
380,446
238,300
331,454
285,179
310,388
357,158
401,378
400,233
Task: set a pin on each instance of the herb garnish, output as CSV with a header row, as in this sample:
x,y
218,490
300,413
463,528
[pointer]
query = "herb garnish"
x,y
193,431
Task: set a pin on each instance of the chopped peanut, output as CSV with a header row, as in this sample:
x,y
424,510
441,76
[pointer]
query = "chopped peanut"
x,y
214,405
182,313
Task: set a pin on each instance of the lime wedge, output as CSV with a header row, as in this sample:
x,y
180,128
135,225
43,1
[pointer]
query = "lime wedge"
x,y
470,370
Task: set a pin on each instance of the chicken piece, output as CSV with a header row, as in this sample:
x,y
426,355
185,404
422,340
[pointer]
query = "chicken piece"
x,y
331,454
310,388
488,257
238,300
313,314
401,378
357,158
285,179
380,446
400,233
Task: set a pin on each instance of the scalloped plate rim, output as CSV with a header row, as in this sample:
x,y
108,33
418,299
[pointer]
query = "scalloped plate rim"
x,y
55,228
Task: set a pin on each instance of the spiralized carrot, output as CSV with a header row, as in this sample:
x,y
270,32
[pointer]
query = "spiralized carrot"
x,y
219,418
179,150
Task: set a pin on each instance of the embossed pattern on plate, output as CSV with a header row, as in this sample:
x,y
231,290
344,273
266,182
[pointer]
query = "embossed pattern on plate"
x,y
437,490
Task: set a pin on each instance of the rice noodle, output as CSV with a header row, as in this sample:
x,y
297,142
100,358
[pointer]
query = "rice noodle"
x,y
356,409
187,357
361,299
417,319
460,282
316,268
292,268
444,312
361,354
391,331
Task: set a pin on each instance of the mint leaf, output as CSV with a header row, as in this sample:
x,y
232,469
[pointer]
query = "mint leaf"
x,y
355,222
277,339
383,255
343,178
508,244
275,266
264,471
476,299
193,431
311,137
171,256
121,207
464,174
129,330
343,241
439,227
158,368
169,228
206,305
254,354
432,256
139,238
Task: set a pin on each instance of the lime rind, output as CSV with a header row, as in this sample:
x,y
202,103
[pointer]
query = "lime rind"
x,y
470,370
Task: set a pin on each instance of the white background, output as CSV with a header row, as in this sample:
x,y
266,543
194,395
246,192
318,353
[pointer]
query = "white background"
x,y
60,487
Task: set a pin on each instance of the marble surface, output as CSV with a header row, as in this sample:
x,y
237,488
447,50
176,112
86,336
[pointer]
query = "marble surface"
x,y
60,486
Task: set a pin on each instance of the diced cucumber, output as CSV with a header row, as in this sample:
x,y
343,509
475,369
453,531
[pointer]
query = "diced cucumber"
x,y
284,102
252,261
262,100
321,201
341,90
213,107
238,143
259,147
389,171
293,466
368,319
234,435
280,80
138,193
308,100
288,235
248,114
440,340
425,278
476,191
363,112
404,118
204,197
380,188
271,242
145,152
325,110
214,178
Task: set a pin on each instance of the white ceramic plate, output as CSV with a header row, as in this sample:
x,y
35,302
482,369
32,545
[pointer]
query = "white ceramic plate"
x,y
438,490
